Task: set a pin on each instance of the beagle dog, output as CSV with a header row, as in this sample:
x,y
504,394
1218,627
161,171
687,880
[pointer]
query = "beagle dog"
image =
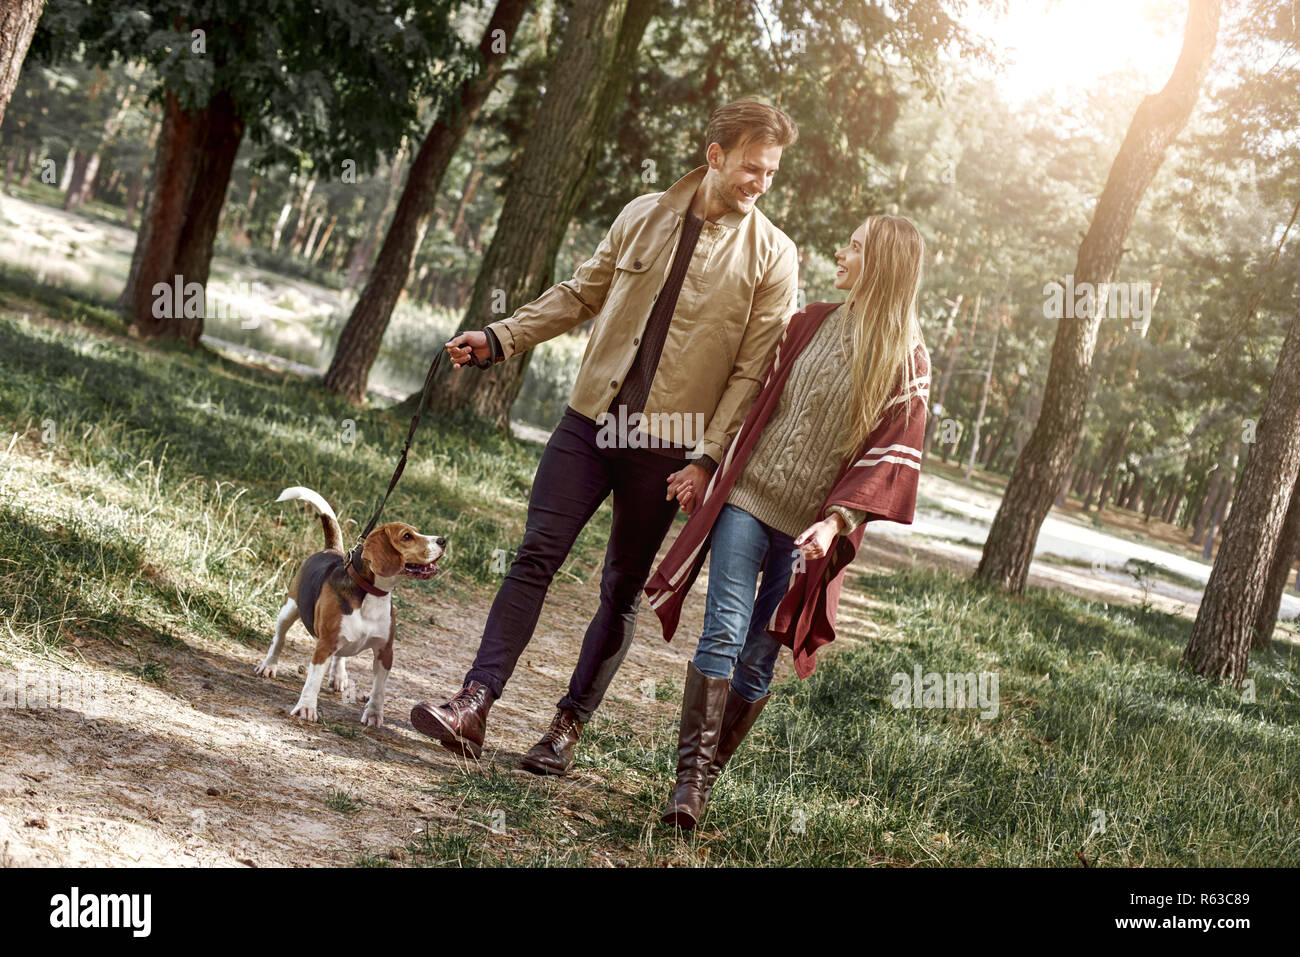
x,y
346,607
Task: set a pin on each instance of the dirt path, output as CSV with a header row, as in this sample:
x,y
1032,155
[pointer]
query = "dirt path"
x,y
209,768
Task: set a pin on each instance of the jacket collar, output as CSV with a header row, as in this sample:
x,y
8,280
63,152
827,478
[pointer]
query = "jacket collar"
x,y
678,197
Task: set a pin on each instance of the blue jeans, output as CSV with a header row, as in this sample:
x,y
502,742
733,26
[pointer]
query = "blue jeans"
x,y
735,643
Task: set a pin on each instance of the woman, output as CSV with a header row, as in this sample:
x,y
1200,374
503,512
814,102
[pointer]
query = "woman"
x,y
833,441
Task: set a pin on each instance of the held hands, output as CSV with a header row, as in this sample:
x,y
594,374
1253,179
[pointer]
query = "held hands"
x,y
688,485
815,540
469,347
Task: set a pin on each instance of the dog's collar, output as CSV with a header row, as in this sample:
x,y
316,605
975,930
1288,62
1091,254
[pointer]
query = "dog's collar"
x,y
365,585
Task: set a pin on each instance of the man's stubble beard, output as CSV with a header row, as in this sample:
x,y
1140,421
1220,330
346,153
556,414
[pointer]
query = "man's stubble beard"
x,y
716,193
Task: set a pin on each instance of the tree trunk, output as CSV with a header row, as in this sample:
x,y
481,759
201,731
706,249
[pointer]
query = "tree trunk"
x,y
1089,489
135,187
132,202
1220,480
87,166
363,250
240,227
472,182
1220,512
304,216
1133,495
360,339
17,24
325,238
1235,594
1125,489
1175,503
587,82
1009,549
195,155
984,394
1288,550
79,183
68,165
342,251
29,164
939,377
1156,498
1107,486
12,155
310,246
1131,487
996,446
285,209
949,370
1112,454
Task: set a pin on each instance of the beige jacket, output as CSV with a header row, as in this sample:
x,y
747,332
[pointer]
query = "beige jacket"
x,y
738,294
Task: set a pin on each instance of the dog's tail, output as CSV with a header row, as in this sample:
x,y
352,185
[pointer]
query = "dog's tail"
x,y
329,521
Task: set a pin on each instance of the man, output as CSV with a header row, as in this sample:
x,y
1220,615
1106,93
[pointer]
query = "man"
x,y
691,289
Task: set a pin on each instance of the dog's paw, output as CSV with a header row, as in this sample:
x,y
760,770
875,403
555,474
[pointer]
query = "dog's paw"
x,y
372,719
306,712
267,669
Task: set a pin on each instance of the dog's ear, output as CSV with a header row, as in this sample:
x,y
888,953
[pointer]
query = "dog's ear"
x,y
385,560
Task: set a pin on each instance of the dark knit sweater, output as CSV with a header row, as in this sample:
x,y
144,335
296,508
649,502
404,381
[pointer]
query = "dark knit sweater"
x,y
637,382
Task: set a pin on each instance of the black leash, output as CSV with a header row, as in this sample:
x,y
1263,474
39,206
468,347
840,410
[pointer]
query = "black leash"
x,y
354,555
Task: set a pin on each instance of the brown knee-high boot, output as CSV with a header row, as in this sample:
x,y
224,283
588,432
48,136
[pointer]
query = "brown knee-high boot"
x,y
703,702
737,719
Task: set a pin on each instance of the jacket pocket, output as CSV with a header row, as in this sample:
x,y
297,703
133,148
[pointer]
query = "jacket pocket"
x,y
638,258
642,249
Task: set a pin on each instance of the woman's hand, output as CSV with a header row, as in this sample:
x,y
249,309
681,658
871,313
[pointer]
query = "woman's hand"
x,y
467,345
686,484
815,540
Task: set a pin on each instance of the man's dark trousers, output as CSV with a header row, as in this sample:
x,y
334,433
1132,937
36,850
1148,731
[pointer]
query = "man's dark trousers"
x,y
574,477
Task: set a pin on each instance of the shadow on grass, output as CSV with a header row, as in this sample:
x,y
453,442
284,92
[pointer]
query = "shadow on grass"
x,y
46,568
258,428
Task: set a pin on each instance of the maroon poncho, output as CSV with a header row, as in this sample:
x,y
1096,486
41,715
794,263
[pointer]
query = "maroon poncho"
x,y
880,479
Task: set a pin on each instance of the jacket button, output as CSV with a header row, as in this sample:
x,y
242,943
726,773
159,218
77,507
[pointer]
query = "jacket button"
x,y
637,264
636,341
613,384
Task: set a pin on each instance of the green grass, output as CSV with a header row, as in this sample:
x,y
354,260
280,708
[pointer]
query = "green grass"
x,y
1141,571
342,801
1102,750
138,483
349,731
151,671
372,860
1096,724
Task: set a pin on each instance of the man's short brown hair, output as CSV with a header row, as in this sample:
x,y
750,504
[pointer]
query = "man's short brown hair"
x,y
749,120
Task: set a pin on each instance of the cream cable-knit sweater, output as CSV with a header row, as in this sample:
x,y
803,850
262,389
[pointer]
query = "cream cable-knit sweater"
x,y
794,463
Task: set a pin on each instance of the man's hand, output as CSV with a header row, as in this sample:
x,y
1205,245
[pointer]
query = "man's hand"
x,y
688,486
467,345
815,540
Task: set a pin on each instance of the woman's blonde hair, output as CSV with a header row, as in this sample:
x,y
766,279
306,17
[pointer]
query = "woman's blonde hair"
x,y
882,321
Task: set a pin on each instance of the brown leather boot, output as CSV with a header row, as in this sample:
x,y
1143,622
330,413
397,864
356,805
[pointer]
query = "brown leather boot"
x,y
738,718
703,702
460,723
554,753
